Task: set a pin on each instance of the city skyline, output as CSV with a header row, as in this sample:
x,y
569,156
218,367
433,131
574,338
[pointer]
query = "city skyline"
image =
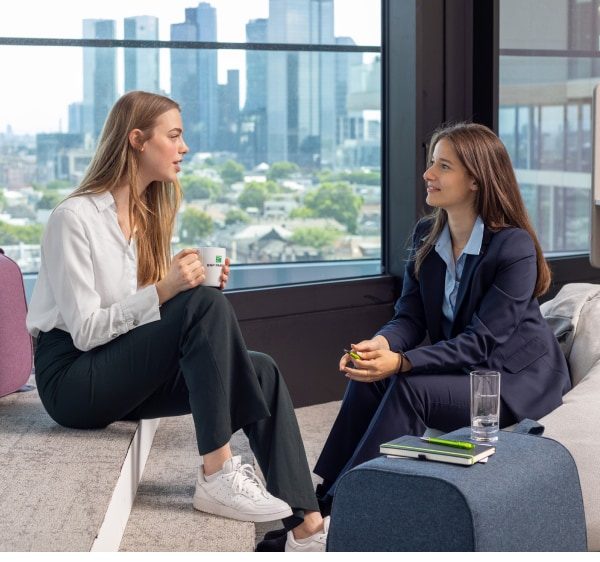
x,y
62,65
317,110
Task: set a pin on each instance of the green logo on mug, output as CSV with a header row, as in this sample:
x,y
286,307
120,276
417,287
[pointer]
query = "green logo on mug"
x,y
218,259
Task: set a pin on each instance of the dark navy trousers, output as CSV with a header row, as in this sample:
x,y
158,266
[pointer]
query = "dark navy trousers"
x,y
404,404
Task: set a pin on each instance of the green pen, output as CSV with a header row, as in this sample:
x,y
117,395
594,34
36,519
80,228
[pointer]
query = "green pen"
x,y
353,354
449,443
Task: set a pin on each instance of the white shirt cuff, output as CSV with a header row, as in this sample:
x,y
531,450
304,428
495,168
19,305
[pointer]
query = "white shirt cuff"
x,y
141,307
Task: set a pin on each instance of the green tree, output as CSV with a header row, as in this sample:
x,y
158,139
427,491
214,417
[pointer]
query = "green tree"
x,y
282,170
2,199
302,213
315,237
11,234
236,216
197,187
231,172
49,200
254,195
360,177
337,201
195,225
59,184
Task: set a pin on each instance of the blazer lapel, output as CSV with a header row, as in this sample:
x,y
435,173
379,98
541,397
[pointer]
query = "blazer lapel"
x,y
432,278
471,263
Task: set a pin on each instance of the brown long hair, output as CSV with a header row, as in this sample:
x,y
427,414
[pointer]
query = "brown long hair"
x,y
498,198
151,215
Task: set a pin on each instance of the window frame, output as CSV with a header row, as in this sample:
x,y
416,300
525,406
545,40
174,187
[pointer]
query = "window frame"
x,y
252,276
442,67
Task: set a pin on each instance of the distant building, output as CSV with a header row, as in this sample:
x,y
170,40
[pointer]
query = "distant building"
x,y
253,125
141,65
361,143
99,76
17,171
343,63
76,118
60,156
194,77
229,113
256,66
184,79
301,85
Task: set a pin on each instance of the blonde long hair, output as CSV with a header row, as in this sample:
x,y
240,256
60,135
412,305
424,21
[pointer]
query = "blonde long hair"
x,y
151,215
498,201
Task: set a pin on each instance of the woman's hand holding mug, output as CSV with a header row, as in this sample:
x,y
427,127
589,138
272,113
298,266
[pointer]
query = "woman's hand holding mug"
x,y
186,272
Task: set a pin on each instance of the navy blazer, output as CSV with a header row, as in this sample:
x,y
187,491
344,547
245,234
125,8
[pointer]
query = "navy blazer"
x,y
497,321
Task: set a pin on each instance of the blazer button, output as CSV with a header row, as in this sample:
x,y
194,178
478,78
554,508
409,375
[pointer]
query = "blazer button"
x,y
114,335
135,322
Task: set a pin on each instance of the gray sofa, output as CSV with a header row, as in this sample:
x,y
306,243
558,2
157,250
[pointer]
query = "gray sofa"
x,y
574,314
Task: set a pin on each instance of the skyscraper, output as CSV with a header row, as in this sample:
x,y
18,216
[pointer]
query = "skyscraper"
x,y
256,67
75,118
301,85
141,65
99,76
184,79
229,112
343,63
253,126
194,77
206,23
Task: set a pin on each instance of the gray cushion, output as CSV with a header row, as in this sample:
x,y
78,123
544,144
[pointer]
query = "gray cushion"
x,y
563,313
525,498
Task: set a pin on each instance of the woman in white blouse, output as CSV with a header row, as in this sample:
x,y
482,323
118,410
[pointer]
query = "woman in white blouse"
x,y
125,332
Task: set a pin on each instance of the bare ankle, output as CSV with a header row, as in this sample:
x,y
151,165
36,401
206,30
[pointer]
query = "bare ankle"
x,y
312,524
213,461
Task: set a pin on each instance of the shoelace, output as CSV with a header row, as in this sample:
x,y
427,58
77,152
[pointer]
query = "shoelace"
x,y
245,473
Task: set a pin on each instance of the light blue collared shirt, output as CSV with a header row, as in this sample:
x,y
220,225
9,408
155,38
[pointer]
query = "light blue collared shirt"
x,y
454,270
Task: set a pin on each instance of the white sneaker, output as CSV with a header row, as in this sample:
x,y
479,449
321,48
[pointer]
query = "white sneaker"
x,y
314,543
236,492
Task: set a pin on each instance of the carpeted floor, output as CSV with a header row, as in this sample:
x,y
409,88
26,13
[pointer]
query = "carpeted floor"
x,y
56,483
55,486
163,519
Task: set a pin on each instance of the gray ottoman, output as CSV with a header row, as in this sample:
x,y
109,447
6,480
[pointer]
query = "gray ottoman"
x,y
527,497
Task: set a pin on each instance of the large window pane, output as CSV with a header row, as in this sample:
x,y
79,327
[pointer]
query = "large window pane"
x,y
284,162
545,112
221,20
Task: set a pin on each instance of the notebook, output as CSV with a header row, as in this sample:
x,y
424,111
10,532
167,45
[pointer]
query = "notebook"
x,y
414,447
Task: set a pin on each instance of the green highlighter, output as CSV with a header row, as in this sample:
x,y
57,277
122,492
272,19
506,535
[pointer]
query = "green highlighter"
x,y
353,354
449,443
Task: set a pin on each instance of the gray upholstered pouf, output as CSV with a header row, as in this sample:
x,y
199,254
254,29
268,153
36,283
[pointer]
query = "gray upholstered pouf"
x,y
527,497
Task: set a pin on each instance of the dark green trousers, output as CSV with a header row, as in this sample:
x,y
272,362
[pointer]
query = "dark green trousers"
x,y
193,360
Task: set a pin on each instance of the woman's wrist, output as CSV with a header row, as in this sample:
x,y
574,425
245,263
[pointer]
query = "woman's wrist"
x,y
399,365
404,363
164,294
382,342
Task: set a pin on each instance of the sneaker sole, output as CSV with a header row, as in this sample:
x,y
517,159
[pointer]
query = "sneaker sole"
x,y
214,508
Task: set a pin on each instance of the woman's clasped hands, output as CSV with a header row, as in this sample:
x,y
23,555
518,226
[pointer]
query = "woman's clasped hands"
x,y
376,361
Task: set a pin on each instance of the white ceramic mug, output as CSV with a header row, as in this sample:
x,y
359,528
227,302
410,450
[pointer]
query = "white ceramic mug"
x,y
213,260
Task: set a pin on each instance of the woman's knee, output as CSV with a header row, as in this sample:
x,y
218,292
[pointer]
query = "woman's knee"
x,y
207,298
265,367
264,364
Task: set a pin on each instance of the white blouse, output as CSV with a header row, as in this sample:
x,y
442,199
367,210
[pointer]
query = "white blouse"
x,y
87,284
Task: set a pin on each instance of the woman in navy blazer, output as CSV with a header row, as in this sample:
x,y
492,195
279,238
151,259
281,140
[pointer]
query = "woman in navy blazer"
x,y
471,284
